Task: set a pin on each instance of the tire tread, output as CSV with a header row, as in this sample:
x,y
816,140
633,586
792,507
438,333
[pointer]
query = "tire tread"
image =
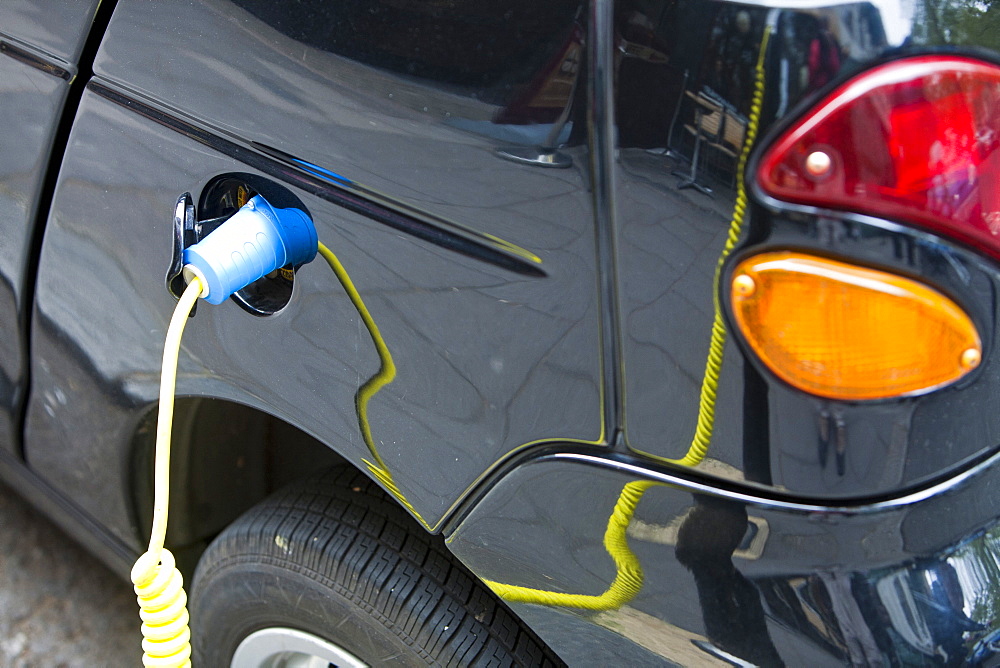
x,y
341,530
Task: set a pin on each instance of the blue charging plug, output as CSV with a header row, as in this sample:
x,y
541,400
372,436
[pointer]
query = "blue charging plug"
x,y
257,240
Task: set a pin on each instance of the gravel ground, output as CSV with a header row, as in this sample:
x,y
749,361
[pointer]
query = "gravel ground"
x,y
58,605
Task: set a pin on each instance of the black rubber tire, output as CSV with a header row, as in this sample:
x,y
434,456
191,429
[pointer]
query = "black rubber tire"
x,y
335,557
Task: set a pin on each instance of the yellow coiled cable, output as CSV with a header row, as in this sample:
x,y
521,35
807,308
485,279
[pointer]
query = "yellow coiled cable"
x,y
159,586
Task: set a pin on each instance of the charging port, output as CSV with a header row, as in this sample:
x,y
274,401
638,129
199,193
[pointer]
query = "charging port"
x,y
220,200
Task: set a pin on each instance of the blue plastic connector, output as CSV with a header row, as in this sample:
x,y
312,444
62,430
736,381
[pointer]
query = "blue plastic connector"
x,y
257,240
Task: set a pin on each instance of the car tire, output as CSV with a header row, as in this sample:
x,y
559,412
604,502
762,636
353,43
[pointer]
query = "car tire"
x,y
334,571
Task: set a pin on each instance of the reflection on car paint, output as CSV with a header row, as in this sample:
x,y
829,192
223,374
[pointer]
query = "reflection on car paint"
x,y
28,58
351,122
629,577
34,86
322,172
554,89
344,181
939,611
713,366
385,375
421,224
628,571
758,572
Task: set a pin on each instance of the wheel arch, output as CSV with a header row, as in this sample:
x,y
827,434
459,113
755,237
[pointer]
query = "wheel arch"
x,y
226,457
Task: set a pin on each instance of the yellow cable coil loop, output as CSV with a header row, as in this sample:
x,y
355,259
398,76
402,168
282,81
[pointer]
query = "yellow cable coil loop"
x,y
385,375
628,571
159,586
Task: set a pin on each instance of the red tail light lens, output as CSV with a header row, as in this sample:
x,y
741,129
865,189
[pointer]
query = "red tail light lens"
x,y
914,141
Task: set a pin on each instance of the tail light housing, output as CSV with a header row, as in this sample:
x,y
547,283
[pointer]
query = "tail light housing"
x,y
915,141
846,332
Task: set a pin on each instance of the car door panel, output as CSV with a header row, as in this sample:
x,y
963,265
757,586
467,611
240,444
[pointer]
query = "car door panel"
x,y
55,28
38,59
489,253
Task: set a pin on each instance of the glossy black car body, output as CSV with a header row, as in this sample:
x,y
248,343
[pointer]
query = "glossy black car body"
x,y
497,178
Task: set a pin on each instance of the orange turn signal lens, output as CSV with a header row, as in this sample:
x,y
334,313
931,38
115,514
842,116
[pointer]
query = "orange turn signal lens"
x,y
846,332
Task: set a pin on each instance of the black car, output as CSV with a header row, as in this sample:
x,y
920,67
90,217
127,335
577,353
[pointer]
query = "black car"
x,y
654,331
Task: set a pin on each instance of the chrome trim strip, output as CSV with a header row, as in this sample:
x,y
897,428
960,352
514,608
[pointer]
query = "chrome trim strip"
x,y
839,506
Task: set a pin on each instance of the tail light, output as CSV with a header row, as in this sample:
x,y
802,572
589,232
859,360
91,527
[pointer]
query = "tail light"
x,y
915,141
846,332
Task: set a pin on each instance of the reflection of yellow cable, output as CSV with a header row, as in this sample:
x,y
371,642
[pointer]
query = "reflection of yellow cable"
x,y
628,571
628,576
386,374
713,365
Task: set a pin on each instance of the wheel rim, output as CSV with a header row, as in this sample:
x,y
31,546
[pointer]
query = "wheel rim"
x,y
289,648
